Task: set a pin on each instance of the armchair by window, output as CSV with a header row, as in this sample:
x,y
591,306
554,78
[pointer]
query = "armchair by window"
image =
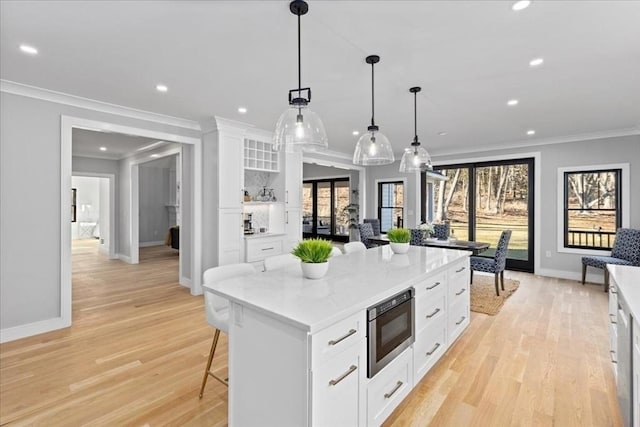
x,y
495,265
626,251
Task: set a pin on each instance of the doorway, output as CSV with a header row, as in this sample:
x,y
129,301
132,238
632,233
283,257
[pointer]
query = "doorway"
x,y
93,217
324,212
481,199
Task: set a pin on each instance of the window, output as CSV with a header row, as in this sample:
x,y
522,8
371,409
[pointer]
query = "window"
x,y
592,208
390,205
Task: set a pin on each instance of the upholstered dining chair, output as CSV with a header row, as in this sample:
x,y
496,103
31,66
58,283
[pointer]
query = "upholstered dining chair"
x,y
417,237
217,310
441,231
366,231
495,265
375,224
335,251
352,247
280,261
625,251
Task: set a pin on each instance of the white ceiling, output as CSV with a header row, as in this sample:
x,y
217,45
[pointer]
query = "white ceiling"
x,y
470,57
87,143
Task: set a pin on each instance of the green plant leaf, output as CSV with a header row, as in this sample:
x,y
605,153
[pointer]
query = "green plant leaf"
x,y
399,235
313,250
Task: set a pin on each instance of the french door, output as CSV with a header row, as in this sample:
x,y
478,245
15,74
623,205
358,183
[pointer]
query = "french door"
x,y
323,209
480,200
390,205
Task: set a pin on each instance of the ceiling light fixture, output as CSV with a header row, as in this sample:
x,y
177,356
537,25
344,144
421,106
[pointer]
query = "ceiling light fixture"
x,y
415,158
512,102
242,110
103,148
154,155
536,62
442,133
531,132
161,88
299,128
373,148
355,133
520,5
28,49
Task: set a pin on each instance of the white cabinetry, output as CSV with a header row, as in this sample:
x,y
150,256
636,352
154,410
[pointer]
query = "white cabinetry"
x,y
260,247
293,199
635,351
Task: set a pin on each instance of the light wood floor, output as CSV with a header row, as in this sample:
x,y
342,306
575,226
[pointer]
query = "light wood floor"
x,y
137,349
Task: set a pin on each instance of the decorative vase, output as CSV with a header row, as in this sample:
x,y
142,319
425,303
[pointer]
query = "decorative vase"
x,y
399,248
314,270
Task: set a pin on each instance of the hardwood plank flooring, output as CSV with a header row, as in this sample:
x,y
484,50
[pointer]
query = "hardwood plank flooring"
x,y
137,349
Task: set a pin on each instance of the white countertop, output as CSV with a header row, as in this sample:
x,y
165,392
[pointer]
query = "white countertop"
x,y
353,283
628,283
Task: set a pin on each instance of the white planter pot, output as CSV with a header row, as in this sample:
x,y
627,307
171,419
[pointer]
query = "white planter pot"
x,y
314,271
399,248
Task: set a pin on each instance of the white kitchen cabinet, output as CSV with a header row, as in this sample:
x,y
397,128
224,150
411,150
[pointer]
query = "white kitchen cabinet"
x,y
635,351
293,180
257,248
231,173
389,387
230,236
292,227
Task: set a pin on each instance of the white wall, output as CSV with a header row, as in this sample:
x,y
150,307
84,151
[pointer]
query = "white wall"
x,y
30,152
154,196
105,212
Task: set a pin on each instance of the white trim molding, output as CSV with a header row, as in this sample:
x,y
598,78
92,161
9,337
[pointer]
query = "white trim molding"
x,y
625,210
91,104
35,328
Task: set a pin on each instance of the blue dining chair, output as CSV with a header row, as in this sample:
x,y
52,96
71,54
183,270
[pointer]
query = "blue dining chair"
x,y
625,251
417,237
495,265
441,231
375,224
366,231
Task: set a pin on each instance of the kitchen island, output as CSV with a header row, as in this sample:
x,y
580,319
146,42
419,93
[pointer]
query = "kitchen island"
x,y
298,347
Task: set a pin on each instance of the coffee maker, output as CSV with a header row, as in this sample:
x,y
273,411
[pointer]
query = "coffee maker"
x,y
248,223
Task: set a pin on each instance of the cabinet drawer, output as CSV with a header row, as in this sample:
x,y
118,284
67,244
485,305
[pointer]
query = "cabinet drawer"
x,y
336,388
338,337
457,320
430,345
259,249
429,310
613,300
431,285
459,278
388,388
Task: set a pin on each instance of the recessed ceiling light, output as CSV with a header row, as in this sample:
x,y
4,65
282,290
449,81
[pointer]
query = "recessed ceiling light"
x,y
28,49
536,62
242,110
355,133
161,88
154,155
522,4
442,133
512,102
531,132
103,148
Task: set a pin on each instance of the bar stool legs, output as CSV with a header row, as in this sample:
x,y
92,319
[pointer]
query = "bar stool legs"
x,y
208,372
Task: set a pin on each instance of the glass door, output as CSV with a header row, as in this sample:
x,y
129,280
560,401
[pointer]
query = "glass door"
x,y
480,200
390,205
323,203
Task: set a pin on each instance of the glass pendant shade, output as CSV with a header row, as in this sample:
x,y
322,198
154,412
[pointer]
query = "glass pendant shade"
x,y
415,159
373,149
299,129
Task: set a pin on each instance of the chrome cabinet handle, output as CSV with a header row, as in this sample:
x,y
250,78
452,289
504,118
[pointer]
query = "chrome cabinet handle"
x,y
612,354
462,269
431,287
612,317
461,291
612,290
392,392
342,338
286,196
429,316
352,368
461,320
267,249
433,350
286,221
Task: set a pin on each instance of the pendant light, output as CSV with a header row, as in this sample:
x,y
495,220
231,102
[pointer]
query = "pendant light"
x,y
299,128
415,158
373,148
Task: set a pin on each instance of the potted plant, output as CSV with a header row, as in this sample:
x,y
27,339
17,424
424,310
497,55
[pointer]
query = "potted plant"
x,y
399,240
426,228
314,254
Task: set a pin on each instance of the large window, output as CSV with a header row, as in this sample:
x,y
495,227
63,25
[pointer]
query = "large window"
x,y
323,208
592,211
480,200
390,205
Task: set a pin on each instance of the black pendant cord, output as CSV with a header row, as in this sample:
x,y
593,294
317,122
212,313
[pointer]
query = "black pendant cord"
x,y
373,99
415,117
299,62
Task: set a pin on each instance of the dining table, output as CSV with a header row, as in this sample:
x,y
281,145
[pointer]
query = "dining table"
x,y
475,247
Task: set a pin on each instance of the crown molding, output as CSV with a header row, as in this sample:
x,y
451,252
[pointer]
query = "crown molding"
x,y
217,123
525,143
15,88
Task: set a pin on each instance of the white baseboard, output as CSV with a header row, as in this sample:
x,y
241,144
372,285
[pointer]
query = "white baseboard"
x,y
35,328
185,282
124,258
592,277
103,250
147,244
